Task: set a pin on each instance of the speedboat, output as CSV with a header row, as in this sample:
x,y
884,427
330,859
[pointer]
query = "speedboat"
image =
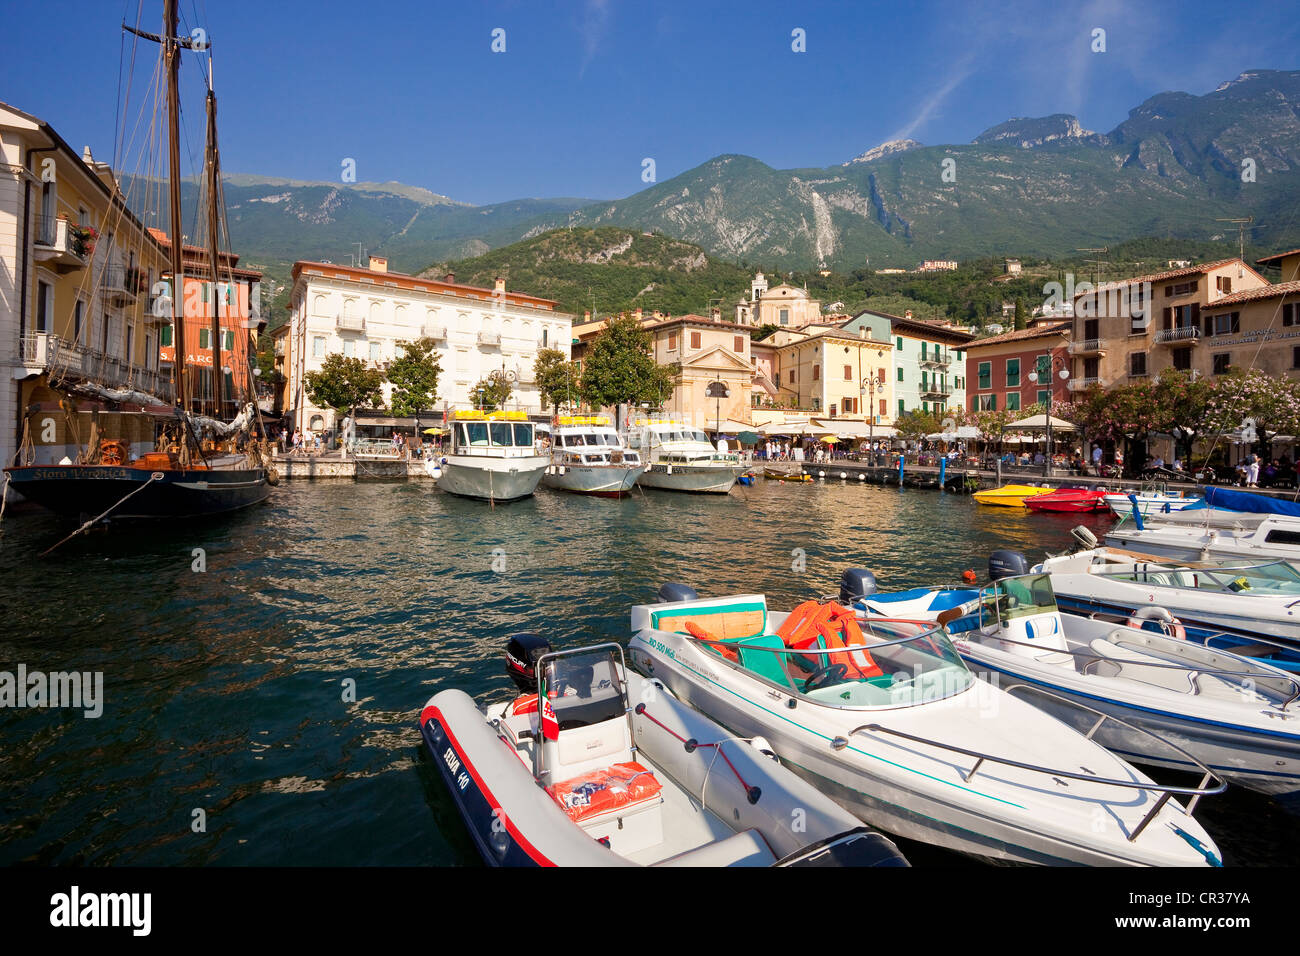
x,y
605,768
1009,496
774,474
1154,498
1167,702
886,718
680,458
588,459
1276,536
493,457
1247,607
1068,500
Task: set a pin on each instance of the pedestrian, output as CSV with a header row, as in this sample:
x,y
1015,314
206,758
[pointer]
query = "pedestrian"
x,y
1252,472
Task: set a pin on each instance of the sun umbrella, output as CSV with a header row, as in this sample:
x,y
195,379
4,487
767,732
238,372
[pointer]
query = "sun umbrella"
x,y
829,439
435,431
748,438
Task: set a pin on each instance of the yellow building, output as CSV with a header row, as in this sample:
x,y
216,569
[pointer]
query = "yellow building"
x,y
831,374
77,270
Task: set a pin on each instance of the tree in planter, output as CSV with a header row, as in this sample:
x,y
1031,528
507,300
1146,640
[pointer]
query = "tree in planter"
x,y
557,378
414,376
491,392
345,384
619,368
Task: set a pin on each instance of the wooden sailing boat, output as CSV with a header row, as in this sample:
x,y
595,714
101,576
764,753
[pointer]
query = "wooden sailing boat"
x,y
179,480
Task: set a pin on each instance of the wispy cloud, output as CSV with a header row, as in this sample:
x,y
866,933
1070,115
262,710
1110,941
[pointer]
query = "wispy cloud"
x,y
956,76
594,26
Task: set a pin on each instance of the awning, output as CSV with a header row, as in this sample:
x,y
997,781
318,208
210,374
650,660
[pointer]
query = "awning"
x,y
1039,423
964,431
727,425
385,422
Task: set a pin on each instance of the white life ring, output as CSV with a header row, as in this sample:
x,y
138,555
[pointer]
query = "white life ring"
x,y
1168,623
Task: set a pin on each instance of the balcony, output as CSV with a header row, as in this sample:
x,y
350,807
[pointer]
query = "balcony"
x,y
43,352
120,286
350,323
1086,347
62,244
436,332
489,338
1188,334
935,361
1083,384
935,390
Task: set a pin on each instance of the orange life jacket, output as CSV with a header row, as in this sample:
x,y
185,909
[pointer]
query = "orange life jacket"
x,y
705,637
829,627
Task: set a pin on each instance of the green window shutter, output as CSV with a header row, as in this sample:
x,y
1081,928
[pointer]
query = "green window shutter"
x,y
900,373
165,337
203,338
900,406
900,343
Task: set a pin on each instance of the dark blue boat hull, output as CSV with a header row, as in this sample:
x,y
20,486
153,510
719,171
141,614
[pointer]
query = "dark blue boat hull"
x,y
90,490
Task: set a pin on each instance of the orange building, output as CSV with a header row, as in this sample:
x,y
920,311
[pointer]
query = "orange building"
x,y
237,305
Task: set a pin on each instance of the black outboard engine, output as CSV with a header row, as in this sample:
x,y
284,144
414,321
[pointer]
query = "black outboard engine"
x,y
673,592
522,653
1007,564
855,584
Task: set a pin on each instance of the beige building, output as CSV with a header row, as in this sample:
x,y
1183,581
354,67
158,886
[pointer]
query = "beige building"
x,y
1190,318
1288,262
784,306
707,350
824,372
77,276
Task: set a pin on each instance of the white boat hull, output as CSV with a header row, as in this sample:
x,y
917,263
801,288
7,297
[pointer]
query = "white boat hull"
x,y
701,479
491,479
606,481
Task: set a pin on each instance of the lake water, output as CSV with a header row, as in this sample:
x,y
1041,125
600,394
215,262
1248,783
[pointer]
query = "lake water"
x,y
228,735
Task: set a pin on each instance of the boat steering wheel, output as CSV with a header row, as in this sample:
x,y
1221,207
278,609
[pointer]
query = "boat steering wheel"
x,y
832,674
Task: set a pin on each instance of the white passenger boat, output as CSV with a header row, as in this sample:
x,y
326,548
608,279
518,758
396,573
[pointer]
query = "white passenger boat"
x,y
680,458
888,720
615,771
1179,704
587,458
1276,536
493,456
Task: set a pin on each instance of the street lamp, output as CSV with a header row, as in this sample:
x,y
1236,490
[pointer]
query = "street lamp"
x,y
1059,366
868,388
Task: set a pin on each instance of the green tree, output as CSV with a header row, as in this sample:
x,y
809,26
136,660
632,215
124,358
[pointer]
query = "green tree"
x,y
557,378
917,424
345,384
763,331
619,368
1020,314
414,375
491,392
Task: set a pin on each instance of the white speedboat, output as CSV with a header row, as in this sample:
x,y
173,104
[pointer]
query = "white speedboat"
x,y
1232,603
1154,498
1276,536
493,456
679,457
889,721
615,771
1179,704
588,458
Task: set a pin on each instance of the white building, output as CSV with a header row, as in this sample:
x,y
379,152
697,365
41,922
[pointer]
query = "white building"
x,y
364,313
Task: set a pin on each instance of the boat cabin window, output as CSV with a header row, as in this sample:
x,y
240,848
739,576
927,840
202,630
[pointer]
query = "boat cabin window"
x,y
583,689
472,433
501,434
1278,536
523,434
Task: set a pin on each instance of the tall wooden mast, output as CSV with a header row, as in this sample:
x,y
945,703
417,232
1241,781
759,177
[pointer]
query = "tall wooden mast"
x,y
215,300
172,61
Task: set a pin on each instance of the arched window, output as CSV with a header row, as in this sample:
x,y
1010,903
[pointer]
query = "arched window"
x,y
321,304
349,308
374,311
317,422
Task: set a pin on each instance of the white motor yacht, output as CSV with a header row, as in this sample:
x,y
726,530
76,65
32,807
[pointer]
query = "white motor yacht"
x,y
493,456
587,458
680,458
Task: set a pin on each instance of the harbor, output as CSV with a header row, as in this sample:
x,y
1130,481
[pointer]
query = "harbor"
x,y
323,619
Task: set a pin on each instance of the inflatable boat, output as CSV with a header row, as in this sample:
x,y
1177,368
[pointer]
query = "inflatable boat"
x,y
610,769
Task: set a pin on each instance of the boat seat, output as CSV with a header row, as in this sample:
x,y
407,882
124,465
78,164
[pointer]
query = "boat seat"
x,y
1127,662
746,848
618,787
770,666
727,618
580,750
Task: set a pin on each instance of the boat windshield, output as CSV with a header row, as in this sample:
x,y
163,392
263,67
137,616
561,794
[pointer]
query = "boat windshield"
x,y
583,688
1276,577
473,433
1017,597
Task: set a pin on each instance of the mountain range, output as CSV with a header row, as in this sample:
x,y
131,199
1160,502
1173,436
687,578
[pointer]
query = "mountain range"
x,y
1028,186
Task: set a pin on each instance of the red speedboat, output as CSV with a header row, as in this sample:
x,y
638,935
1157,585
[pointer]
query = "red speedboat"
x,y
1069,499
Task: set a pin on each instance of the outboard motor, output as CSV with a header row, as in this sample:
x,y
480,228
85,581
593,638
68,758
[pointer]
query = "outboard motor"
x,y
1006,564
855,584
673,592
522,653
1085,538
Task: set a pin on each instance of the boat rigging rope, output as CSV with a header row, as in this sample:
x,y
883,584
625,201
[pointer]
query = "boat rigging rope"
x,y
152,478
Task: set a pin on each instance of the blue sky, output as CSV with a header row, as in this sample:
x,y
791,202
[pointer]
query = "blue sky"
x,y
586,90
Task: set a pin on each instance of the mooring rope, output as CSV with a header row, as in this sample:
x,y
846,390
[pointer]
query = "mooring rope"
x,y
152,478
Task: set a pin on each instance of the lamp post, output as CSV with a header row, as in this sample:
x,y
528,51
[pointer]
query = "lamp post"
x,y
1059,366
868,388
